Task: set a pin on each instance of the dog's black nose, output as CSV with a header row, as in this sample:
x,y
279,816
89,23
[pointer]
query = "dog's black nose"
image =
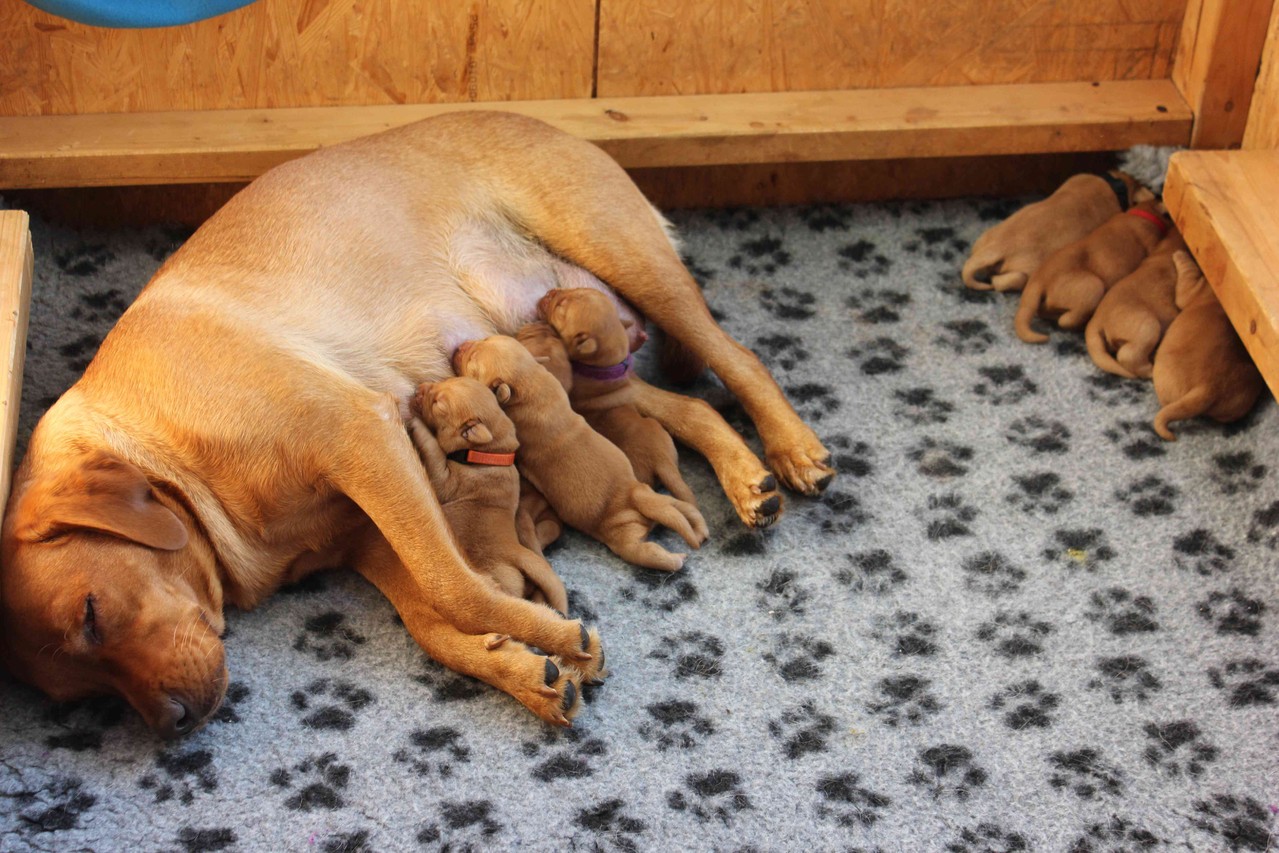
x,y
178,719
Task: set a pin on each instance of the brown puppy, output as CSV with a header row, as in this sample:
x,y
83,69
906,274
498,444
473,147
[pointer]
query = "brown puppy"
x,y
468,445
1006,255
1071,282
1134,313
1202,368
585,477
596,341
243,424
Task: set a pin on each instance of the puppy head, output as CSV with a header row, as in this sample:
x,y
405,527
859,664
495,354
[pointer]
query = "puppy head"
x,y
588,324
547,348
504,366
1191,284
102,592
464,414
1137,192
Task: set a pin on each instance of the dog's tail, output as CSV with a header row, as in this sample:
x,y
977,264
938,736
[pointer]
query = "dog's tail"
x,y
1195,402
980,268
683,518
1027,309
1101,356
679,363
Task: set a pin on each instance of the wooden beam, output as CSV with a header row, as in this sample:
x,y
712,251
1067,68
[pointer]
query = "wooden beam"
x,y
16,266
1263,115
1223,202
1216,66
693,130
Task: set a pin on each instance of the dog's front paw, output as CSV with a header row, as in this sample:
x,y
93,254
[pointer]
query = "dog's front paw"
x,y
802,468
756,500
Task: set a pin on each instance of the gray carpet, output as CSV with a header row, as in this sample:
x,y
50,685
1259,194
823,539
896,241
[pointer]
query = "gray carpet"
x,y
1017,621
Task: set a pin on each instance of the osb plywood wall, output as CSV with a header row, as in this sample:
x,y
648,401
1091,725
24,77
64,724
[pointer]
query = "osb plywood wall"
x,y
326,52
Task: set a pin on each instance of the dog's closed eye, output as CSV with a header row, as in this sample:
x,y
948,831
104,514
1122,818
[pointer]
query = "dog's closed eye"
x,y
91,622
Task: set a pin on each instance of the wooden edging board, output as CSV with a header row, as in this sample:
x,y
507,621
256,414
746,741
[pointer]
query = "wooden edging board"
x,y
16,267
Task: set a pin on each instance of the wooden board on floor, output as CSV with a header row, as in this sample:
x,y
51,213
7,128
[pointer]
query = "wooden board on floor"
x,y
16,266
674,47
1224,204
202,147
1263,114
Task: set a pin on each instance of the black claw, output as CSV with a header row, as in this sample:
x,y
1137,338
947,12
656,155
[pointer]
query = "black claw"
x,y
552,672
769,484
771,506
586,639
570,696
824,482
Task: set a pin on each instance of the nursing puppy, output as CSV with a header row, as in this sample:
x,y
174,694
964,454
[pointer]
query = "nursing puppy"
x,y
1006,255
1069,285
1202,368
585,477
1134,313
468,445
595,339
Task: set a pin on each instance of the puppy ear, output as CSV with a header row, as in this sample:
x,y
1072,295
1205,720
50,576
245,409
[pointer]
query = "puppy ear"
x,y
474,432
105,494
501,391
584,344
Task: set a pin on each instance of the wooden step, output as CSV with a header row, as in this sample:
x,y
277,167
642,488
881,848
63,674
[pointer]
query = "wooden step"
x,y
686,130
15,301
1226,204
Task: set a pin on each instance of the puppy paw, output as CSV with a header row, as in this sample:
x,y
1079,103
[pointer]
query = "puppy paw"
x,y
559,697
802,468
757,502
591,666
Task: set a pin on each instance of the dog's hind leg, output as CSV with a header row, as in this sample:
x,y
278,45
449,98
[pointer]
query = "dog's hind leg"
x,y
1086,292
1135,354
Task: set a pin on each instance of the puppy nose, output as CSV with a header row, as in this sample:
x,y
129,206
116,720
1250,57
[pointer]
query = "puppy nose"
x,y
460,353
178,719
544,304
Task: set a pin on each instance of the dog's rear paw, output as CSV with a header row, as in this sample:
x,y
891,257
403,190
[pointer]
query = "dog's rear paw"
x,y
803,469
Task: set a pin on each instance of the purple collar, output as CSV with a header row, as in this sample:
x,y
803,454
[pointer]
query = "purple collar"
x,y
602,374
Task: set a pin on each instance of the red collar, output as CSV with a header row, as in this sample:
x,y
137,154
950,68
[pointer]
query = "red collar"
x,y
479,457
1150,217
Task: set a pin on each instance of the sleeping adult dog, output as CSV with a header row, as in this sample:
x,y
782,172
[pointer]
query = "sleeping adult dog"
x,y
243,424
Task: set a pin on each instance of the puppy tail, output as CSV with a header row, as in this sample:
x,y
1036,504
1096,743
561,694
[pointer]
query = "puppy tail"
x,y
1194,403
979,270
1101,356
668,512
679,363
1026,311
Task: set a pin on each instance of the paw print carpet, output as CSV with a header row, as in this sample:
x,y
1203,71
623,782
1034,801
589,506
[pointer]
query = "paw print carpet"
x,y
1016,621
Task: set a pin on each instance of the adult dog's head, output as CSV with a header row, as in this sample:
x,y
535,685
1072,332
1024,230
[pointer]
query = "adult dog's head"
x,y
102,591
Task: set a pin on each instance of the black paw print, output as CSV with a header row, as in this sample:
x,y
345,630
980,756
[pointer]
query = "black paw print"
x,y
236,694
700,272
878,305
80,351
827,217
798,657
433,751
1233,612
752,543
693,654
939,243
1149,496
206,840
103,306
571,760
940,460
1029,705
468,826
1166,752
53,807
1085,773
448,686
782,595
1039,435
802,730
1004,385
356,841
84,260
880,356
947,770
813,401
343,700
846,802
167,240
850,458
1248,682
1014,635
714,795
1111,390
1040,492
662,591
1117,835
1265,526
862,260
1136,440
1237,473
325,636
871,571
760,255
992,574
921,406
1079,548
1122,612
1070,347
610,827
839,512
675,724
1125,677
947,516
988,838
966,337
182,775
908,634
734,218
1241,823
785,351
1201,552
316,783
904,699
82,725
788,303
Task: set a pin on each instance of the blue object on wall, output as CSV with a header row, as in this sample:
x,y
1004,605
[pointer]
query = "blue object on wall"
x,y
137,13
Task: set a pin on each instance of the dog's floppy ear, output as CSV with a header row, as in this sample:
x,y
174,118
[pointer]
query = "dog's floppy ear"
x,y
585,344
105,494
1190,280
474,432
501,391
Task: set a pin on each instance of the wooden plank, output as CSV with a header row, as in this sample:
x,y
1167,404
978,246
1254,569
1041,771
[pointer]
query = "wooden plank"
x,y
1263,115
16,266
300,53
1216,66
673,47
1223,202
237,145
